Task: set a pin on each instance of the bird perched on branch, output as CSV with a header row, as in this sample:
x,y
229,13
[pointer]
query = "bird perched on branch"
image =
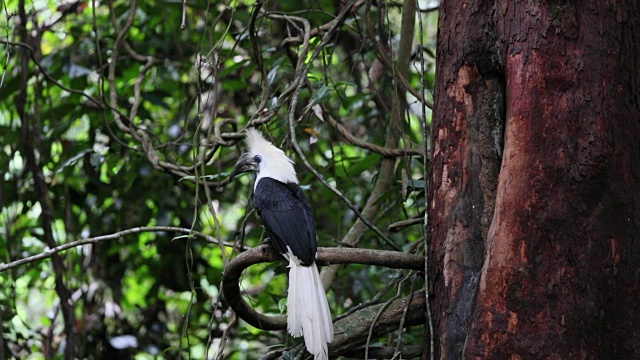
x,y
288,219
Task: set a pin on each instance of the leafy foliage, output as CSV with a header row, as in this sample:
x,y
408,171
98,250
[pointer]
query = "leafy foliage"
x,y
116,122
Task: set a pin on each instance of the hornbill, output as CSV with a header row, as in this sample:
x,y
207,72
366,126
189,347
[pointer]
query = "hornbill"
x,y
288,219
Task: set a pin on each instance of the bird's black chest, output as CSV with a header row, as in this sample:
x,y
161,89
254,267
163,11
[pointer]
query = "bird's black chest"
x,y
287,217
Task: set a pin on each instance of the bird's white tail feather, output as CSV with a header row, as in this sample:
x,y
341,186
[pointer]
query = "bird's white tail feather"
x,y
308,311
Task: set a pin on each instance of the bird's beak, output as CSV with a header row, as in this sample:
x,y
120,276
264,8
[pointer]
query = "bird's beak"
x,y
245,163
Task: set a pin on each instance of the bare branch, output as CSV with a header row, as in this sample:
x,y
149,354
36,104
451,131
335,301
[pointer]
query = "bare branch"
x,y
50,78
183,25
122,33
353,140
50,252
399,225
265,253
425,140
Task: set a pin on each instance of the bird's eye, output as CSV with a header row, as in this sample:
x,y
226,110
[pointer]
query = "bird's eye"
x,y
257,159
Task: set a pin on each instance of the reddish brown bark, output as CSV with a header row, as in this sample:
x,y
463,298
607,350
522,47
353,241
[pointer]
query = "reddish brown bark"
x,y
535,182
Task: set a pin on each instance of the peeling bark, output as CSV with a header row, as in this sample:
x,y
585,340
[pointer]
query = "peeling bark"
x,y
535,182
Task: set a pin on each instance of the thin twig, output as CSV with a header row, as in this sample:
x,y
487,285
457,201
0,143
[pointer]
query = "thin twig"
x,y
137,86
398,225
6,67
405,312
213,104
373,323
330,26
427,151
50,252
122,33
49,77
353,140
257,56
342,197
376,298
183,25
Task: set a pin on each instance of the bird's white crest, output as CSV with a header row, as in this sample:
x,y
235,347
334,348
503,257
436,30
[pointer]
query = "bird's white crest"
x,y
274,162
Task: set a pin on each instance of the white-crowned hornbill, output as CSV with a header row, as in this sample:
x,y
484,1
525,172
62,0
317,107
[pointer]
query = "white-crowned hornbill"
x,y
288,219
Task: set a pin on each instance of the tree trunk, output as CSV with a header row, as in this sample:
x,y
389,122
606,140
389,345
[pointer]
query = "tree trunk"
x,y
535,180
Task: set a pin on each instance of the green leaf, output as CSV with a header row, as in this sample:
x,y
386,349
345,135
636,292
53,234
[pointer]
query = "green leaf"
x,y
233,84
230,69
416,184
72,160
357,167
320,95
156,98
282,305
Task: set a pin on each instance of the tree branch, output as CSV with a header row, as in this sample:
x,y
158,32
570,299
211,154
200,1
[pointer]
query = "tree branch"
x,y
399,225
52,251
354,330
353,140
50,78
265,253
429,333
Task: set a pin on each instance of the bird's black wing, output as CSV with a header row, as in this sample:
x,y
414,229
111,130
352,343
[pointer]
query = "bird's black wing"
x,y
287,217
